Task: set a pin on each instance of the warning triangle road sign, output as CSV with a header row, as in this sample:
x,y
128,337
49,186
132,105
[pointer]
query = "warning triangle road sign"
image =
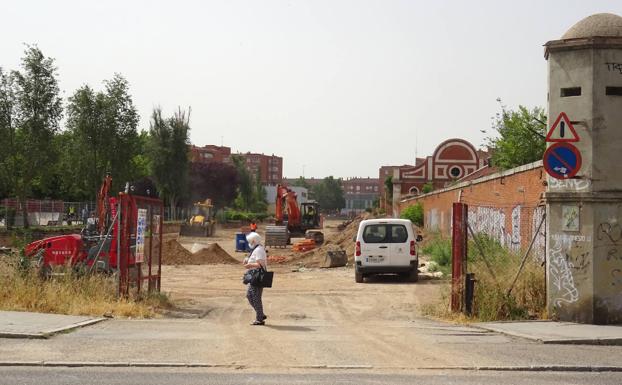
x,y
562,130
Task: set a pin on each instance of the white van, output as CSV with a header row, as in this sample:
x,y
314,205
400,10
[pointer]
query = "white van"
x,y
386,246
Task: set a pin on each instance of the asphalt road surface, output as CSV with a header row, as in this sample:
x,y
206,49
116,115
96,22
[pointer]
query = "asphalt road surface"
x,y
95,376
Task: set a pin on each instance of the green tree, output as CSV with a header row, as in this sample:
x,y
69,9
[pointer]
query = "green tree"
x,y
168,154
8,119
520,136
388,185
122,118
39,110
329,194
414,213
246,191
102,138
428,187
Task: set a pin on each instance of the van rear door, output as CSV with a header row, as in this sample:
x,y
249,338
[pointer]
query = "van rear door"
x,y
375,245
400,245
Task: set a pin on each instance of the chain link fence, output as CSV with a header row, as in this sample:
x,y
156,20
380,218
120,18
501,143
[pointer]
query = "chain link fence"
x,y
44,212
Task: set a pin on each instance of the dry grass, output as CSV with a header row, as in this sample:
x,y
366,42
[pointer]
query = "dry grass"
x,y
23,290
491,302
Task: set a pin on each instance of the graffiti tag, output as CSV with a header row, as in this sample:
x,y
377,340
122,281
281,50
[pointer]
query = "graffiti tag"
x,y
613,67
561,277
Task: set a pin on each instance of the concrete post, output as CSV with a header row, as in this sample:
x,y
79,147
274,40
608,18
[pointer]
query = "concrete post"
x,y
584,210
397,193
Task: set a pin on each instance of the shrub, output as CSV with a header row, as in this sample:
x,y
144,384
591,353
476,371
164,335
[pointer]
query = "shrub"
x,y
414,213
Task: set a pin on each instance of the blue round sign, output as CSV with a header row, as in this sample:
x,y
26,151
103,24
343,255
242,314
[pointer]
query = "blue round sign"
x,y
562,160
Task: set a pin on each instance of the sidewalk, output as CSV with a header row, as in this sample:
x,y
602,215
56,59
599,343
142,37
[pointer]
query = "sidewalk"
x,y
550,332
17,324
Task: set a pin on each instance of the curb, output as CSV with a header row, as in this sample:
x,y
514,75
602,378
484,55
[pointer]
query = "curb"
x,y
529,368
49,333
613,341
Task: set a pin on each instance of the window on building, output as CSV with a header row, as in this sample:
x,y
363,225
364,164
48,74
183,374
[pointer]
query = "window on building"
x,y
358,188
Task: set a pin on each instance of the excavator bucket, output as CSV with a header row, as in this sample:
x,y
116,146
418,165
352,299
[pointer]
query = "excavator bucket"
x,y
194,231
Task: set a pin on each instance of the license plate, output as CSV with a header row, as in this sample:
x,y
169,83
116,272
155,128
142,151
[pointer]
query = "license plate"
x,y
374,259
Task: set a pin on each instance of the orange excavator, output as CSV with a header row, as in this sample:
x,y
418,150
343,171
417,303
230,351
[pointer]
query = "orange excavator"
x,y
293,220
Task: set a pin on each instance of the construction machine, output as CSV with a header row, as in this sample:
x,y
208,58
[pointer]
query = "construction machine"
x,y
93,249
293,220
201,222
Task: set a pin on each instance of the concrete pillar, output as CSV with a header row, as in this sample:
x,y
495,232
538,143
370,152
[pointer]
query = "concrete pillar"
x,y
584,211
397,193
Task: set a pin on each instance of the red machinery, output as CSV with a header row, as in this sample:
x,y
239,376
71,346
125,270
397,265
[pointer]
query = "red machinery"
x,y
292,220
126,237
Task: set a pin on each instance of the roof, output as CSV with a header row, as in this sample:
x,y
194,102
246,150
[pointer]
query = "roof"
x,y
479,173
600,24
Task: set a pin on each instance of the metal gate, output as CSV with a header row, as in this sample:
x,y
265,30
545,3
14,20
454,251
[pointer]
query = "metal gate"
x,y
139,245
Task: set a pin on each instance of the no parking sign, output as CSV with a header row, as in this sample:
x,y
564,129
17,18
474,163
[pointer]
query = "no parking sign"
x,y
562,160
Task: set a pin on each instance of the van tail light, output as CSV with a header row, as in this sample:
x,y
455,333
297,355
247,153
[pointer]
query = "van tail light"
x,y
358,248
412,247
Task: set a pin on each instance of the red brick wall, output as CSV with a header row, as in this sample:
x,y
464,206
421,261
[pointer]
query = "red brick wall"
x,y
504,205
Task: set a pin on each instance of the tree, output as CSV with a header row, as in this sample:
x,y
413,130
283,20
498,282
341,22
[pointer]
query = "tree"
x,y
414,213
388,185
168,154
246,192
428,187
102,138
215,180
329,194
8,120
520,136
39,110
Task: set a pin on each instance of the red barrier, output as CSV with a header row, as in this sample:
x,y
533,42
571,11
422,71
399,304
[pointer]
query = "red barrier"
x,y
458,252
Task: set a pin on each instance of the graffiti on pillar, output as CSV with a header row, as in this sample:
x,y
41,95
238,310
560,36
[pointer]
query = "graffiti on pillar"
x,y
570,184
609,231
616,275
614,67
560,271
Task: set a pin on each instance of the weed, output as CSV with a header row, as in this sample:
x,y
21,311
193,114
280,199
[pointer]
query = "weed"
x,y
69,293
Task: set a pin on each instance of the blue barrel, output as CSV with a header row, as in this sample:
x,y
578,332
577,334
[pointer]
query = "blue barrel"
x,y
240,242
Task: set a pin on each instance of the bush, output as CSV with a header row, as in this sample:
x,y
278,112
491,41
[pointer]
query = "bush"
x,y
414,213
439,251
245,216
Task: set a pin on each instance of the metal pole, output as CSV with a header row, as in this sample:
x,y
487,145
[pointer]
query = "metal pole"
x,y
119,249
459,252
522,264
104,241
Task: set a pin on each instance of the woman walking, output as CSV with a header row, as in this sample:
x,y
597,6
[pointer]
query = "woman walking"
x,y
256,260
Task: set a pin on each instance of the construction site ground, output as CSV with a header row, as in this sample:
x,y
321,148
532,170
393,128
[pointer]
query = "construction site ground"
x,y
318,319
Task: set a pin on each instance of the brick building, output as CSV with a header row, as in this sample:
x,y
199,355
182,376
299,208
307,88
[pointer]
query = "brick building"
x,y
360,194
453,159
269,167
210,153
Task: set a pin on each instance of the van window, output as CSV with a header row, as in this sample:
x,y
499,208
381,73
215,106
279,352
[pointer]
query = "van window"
x,y
385,233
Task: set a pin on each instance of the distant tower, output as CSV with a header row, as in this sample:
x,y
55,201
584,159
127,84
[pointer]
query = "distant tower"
x,y
584,160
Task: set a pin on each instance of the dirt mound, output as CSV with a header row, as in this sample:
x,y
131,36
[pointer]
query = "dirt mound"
x,y
339,241
175,254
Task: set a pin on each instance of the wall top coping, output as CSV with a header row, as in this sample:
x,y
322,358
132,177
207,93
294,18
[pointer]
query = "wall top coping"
x,y
497,175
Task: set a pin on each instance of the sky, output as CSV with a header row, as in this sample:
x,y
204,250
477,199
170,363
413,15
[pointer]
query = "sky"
x,y
337,87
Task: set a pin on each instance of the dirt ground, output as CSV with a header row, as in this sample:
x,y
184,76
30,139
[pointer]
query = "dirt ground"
x,y
215,291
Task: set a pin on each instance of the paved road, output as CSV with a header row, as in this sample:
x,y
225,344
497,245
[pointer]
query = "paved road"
x,y
84,376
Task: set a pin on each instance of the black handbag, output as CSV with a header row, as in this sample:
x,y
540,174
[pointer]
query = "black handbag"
x,y
258,277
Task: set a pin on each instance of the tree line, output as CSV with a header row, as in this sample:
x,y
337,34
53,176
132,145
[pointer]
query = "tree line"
x,y
43,156
56,149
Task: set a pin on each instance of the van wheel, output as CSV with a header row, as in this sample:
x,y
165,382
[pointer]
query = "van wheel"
x,y
413,276
358,276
